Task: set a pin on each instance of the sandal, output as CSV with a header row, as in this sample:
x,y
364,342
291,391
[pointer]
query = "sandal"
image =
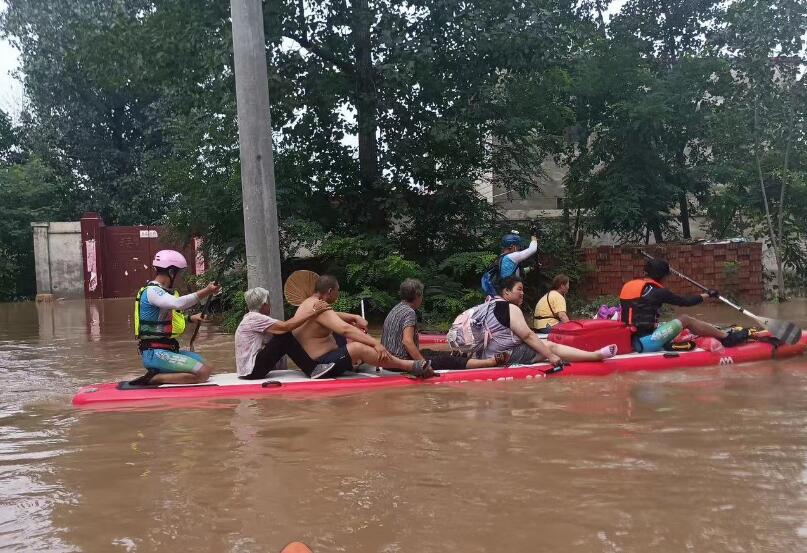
x,y
502,358
422,369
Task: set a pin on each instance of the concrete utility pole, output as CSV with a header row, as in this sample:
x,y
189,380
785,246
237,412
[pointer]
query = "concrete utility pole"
x,y
257,163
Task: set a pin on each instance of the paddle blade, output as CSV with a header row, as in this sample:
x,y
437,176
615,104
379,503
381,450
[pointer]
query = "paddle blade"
x,y
786,331
299,286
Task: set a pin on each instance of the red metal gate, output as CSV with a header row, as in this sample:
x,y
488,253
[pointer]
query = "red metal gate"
x,y
117,260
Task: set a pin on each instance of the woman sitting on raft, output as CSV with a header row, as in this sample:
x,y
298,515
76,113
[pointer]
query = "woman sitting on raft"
x,y
400,335
551,308
509,332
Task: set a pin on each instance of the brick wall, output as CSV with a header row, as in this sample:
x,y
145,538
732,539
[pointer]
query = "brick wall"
x,y
734,269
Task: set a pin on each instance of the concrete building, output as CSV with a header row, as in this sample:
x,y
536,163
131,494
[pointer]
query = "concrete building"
x,y
548,202
59,266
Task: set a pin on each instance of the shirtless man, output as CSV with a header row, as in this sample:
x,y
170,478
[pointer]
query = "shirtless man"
x,y
324,339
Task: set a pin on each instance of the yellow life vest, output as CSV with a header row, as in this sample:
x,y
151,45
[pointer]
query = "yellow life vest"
x,y
168,328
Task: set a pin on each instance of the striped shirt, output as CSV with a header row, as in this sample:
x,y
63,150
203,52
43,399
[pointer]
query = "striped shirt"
x,y
400,317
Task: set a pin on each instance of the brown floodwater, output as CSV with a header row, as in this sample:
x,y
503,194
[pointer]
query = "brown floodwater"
x,y
702,460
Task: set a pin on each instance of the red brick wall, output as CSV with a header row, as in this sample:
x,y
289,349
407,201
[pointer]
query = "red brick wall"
x,y
734,269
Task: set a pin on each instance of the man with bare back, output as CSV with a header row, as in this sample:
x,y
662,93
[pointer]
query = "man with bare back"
x,y
324,338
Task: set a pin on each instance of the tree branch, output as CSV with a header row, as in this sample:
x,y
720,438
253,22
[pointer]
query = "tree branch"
x,y
324,54
774,239
791,117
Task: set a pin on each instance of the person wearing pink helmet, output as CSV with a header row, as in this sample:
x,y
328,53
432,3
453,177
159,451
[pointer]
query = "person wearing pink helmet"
x,y
158,322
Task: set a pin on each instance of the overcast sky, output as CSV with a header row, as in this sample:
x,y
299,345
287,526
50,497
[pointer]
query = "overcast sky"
x,y
10,88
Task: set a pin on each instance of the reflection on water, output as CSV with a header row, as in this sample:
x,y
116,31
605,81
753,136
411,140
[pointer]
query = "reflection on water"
x,y
703,460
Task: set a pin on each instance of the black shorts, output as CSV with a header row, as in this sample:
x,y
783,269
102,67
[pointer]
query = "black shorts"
x,y
340,357
445,361
271,353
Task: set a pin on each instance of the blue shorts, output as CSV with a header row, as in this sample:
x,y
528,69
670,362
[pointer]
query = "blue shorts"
x,y
663,335
167,361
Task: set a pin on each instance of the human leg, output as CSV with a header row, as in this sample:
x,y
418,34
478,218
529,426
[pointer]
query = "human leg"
x,y
362,353
183,367
496,361
701,328
733,337
272,352
443,361
568,353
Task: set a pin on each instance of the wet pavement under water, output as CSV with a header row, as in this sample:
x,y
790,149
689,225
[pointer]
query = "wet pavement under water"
x,y
702,460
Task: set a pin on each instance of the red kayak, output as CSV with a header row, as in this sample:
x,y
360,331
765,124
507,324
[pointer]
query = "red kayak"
x,y
429,339
294,382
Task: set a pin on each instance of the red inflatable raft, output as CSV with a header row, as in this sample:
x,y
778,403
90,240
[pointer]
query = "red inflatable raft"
x,y
294,382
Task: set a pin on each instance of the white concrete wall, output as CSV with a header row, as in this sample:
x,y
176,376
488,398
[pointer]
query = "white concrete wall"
x,y
57,251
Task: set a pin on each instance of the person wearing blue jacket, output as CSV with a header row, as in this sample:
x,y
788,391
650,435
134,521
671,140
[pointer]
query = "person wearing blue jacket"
x,y
509,262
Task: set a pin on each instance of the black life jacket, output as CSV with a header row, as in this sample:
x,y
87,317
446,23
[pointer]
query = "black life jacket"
x,y
636,310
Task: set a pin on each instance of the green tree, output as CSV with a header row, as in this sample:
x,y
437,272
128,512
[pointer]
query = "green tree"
x,y
93,123
760,134
641,95
29,192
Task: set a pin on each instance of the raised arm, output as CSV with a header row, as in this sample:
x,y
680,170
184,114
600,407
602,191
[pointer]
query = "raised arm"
x,y
518,257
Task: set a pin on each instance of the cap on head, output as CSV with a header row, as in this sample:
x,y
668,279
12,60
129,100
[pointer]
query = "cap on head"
x,y
509,240
165,259
657,269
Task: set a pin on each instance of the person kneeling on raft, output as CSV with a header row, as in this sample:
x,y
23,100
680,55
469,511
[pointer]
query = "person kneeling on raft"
x,y
400,335
158,322
642,299
509,332
324,338
261,342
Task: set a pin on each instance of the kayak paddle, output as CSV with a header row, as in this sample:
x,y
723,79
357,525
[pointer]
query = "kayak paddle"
x,y
206,306
788,332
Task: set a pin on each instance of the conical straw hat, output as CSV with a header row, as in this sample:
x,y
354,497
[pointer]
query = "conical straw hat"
x,y
299,286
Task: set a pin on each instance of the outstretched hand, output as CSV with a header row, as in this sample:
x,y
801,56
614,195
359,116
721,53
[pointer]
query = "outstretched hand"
x,y
199,318
212,289
320,306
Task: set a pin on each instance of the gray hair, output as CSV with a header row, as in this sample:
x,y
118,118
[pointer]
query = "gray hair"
x,y
256,297
411,289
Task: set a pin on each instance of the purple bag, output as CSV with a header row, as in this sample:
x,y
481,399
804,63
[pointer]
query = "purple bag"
x,y
609,313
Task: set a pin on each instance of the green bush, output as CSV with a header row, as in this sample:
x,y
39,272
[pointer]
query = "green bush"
x,y
370,268
581,309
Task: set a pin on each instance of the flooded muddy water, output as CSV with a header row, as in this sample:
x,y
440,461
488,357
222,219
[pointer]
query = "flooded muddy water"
x,y
701,460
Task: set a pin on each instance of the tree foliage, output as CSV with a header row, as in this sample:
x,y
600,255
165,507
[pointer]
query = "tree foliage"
x,y
386,114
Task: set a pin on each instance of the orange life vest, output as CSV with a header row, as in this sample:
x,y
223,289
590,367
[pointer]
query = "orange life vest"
x,y
636,311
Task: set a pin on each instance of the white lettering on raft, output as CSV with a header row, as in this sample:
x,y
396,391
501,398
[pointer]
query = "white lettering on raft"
x,y
499,379
726,361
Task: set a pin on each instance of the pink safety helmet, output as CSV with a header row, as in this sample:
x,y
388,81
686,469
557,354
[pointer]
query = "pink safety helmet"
x,y
165,259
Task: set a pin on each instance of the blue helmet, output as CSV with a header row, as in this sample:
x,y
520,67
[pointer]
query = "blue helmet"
x,y
511,240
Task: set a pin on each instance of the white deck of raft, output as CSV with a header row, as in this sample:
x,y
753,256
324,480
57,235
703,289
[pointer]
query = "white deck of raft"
x,y
366,371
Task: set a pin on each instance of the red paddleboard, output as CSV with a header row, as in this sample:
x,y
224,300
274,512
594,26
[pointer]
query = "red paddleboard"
x,y
294,382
